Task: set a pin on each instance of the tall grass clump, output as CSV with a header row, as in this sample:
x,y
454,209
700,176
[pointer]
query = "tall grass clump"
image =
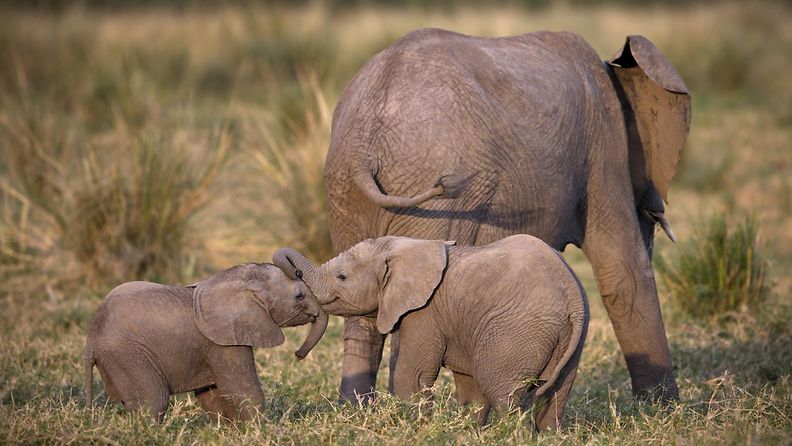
x,y
292,163
133,221
101,210
720,270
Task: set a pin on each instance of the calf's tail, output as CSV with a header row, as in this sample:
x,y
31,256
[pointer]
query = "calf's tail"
x,y
578,318
88,363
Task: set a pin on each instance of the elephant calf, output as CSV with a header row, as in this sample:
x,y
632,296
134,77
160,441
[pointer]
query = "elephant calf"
x,y
150,341
509,318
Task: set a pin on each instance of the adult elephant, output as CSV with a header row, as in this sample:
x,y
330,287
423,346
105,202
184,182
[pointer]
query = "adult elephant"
x,y
448,136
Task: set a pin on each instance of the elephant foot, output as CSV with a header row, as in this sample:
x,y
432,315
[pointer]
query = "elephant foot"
x,y
663,393
653,383
360,400
482,416
350,391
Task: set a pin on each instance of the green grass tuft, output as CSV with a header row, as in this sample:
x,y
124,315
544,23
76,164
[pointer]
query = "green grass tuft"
x,y
720,270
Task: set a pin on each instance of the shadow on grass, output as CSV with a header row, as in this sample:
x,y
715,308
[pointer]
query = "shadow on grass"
x,y
751,354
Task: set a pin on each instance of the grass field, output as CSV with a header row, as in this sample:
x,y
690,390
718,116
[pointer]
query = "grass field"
x,y
165,144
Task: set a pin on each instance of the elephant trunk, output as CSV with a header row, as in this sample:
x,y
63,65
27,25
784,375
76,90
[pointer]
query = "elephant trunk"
x,y
314,335
295,265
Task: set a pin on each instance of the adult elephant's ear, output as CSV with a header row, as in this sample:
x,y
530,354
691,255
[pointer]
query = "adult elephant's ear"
x,y
229,310
660,104
413,269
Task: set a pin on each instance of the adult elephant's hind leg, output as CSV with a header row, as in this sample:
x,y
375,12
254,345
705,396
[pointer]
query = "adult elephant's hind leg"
x,y
623,270
362,355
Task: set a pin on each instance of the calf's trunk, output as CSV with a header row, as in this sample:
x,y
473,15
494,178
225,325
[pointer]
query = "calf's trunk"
x,y
314,335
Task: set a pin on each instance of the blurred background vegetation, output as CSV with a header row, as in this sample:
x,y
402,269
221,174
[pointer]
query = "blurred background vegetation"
x,y
168,140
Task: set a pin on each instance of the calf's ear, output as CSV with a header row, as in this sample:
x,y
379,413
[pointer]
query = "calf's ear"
x,y
230,312
414,269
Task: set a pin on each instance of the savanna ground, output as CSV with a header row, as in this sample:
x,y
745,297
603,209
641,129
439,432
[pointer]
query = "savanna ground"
x,y
169,143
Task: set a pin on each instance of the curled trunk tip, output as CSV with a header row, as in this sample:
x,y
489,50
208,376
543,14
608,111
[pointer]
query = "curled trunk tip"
x,y
296,266
282,260
314,335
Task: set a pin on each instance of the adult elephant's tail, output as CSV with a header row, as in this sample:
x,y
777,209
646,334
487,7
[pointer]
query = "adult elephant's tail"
x,y
365,182
88,363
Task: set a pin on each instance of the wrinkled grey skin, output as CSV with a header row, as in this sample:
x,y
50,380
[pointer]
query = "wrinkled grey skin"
x,y
150,341
503,317
447,136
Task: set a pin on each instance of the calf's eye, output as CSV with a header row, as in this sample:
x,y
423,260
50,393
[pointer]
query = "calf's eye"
x,y
300,296
341,276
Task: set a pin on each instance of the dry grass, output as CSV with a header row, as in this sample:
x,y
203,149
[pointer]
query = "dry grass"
x,y
292,165
151,143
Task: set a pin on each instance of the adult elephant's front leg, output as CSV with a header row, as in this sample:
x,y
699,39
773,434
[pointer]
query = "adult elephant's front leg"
x,y
362,355
623,270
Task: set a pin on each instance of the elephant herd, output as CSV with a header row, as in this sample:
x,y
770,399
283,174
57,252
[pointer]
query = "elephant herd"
x,y
446,151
